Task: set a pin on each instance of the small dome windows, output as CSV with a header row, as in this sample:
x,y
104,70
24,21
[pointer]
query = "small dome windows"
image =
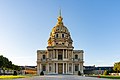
x,y
59,35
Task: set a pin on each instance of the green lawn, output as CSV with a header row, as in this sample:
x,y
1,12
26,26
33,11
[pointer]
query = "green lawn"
x,y
107,76
11,76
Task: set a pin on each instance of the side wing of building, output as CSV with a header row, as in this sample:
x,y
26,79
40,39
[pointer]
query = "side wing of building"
x,y
78,61
41,57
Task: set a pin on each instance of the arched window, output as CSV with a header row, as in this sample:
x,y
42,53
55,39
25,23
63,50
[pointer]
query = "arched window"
x,y
76,56
43,56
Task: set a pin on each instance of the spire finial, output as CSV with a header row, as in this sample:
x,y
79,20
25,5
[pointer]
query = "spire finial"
x,y
60,18
60,12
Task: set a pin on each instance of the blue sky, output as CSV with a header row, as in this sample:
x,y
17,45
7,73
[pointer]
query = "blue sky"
x,y
25,26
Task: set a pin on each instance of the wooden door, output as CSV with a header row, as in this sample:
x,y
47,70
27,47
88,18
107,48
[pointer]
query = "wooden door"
x,y
60,68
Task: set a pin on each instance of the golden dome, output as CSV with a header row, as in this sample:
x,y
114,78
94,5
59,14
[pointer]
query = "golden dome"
x,y
60,34
59,28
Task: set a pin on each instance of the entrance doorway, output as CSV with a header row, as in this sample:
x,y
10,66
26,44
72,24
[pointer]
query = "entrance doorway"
x,y
60,68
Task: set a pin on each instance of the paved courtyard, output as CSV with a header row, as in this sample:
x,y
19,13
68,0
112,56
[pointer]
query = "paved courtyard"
x,y
61,77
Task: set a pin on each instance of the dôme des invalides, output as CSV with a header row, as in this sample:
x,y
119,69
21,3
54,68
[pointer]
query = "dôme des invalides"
x,y
60,56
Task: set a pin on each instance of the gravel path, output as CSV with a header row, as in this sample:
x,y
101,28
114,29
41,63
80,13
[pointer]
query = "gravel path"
x,y
61,77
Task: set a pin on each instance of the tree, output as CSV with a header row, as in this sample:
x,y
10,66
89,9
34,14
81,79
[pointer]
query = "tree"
x,y
1,61
117,67
6,64
41,73
106,72
15,67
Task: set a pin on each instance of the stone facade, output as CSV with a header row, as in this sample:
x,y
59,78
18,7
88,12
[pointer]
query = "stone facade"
x,y
60,58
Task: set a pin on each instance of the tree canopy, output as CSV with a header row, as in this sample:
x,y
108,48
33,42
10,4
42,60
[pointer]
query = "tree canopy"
x,y
117,67
6,64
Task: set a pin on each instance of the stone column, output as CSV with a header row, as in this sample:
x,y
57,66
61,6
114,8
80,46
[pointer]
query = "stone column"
x,y
72,53
57,54
63,53
53,67
72,68
66,68
47,54
63,68
48,67
81,68
53,54
66,54
57,68
40,68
